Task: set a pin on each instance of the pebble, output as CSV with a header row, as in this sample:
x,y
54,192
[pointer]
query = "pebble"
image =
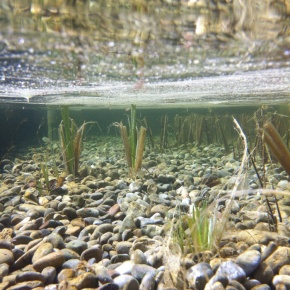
x,y
249,261
105,231
198,275
6,257
54,259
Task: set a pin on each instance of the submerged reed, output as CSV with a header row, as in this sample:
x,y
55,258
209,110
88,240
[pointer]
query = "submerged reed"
x,y
71,139
134,143
277,146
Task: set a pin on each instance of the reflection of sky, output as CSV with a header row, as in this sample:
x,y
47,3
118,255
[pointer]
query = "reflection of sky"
x,y
87,47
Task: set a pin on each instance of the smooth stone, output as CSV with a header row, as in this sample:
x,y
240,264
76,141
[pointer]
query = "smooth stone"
x,y
140,270
28,207
285,270
5,244
261,287
71,264
123,247
251,283
29,276
73,231
49,273
135,186
216,286
263,273
102,274
159,208
88,212
249,261
139,257
281,280
21,239
4,270
198,275
86,280
147,283
270,249
92,252
122,280
26,285
70,212
43,250
119,258
125,268
54,259
6,256
70,254
261,237
127,223
114,209
77,245
56,240
109,286
235,285
232,271
152,230
278,259
104,228
65,274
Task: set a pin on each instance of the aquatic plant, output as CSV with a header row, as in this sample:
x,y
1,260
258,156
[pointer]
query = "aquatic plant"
x,y
71,139
164,133
276,145
195,232
134,143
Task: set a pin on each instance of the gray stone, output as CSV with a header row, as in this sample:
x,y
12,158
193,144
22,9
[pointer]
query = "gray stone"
x,y
148,282
4,270
198,275
232,271
93,252
139,271
88,212
77,245
125,268
249,261
123,247
139,257
30,276
122,280
6,257
71,264
128,223
251,283
263,273
56,240
102,274
49,273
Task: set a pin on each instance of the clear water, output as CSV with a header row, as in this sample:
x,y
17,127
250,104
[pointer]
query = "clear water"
x,y
167,57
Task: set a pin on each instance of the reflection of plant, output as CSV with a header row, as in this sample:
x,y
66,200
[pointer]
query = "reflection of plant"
x,y
196,232
134,143
70,141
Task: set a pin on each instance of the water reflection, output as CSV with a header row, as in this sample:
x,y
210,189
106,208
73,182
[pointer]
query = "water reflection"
x,y
83,42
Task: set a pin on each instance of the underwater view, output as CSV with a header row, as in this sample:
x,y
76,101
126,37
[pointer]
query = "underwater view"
x,y
144,144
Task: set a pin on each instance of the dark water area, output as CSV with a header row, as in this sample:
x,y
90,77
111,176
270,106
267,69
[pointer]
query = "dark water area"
x,y
24,126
